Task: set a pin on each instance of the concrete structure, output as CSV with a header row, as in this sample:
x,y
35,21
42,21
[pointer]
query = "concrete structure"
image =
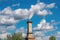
x,y
29,31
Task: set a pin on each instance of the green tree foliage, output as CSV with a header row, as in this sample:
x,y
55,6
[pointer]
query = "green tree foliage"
x,y
52,38
0,38
15,36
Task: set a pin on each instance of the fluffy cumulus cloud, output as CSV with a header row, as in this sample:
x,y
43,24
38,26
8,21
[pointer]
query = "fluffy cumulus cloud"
x,y
6,20
51,5
4,35
17,14
57,34
21,14
43,25
42,38
9,17
39,35
42,9
2,29
42,28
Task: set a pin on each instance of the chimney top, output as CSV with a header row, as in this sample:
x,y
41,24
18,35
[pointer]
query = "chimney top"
x,y
29,21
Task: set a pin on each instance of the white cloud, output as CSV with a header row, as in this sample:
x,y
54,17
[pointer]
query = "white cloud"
x,y
42,28
21,14
2,29
58,34
44,12
38,38
37,7
17,13
6,20
42,38
52,5
46,38
7,11
40,35
41,9
43,25
4,35
11,27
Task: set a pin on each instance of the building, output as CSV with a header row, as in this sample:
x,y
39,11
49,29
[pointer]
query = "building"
x,y
29,31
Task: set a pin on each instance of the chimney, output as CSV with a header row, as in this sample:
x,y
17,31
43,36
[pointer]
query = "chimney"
x,y
29,31
29,27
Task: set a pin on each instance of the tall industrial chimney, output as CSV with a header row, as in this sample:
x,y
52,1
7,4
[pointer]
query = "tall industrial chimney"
x,y
29,31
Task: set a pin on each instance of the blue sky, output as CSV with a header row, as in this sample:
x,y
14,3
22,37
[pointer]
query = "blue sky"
x,y
45,16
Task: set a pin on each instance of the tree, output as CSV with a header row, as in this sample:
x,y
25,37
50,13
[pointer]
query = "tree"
x,y
17,36
8,37
52,38
20,36
0,38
